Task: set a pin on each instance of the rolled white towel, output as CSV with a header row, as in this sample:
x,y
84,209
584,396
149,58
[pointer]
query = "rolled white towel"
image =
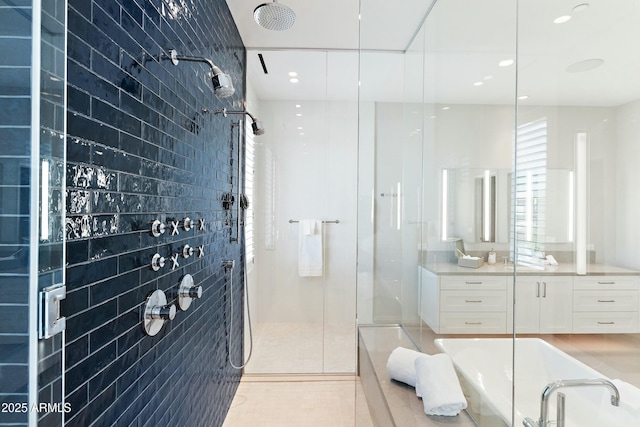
x,y
401,365
438,385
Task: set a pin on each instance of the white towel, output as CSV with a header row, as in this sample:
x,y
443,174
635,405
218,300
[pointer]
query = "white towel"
x,y
310,262
438,385
401,365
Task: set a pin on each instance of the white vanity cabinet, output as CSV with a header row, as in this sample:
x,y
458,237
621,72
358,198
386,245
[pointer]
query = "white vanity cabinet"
x,y
605,304
464,304
543,304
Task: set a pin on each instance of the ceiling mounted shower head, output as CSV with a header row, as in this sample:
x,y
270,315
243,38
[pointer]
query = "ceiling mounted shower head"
x,y
222,84
256,125
274,16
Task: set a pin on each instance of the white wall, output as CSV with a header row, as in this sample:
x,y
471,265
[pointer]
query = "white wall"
x,y
315,177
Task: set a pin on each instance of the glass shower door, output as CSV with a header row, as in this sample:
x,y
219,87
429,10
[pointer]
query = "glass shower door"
x,y
304,322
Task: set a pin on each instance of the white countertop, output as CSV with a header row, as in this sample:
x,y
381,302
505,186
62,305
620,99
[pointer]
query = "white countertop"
x,y
445,268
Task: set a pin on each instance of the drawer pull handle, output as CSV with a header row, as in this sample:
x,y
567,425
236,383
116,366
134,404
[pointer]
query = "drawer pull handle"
x,y
473,323
606,283
473,283
606,300
606,323
473,300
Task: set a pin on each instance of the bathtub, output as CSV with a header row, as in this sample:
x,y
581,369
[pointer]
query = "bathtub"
x,y
484,366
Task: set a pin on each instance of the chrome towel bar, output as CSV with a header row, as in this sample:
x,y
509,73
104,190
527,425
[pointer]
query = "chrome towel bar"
x,y
335,221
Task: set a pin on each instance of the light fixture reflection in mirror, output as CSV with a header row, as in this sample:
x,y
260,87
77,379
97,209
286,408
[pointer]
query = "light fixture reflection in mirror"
x,y
486,204
581,203
445,202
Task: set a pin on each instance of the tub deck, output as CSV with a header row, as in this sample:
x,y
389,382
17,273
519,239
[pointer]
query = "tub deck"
x,y
392,403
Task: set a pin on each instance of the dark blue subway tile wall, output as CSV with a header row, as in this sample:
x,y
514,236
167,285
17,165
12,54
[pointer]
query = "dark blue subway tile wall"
x,y
139,148
15,155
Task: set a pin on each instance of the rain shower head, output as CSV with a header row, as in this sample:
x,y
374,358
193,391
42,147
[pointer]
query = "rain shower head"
x,y
256,125
274,16
222,84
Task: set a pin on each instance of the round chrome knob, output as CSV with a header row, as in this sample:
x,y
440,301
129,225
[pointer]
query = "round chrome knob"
x,y
165,312
187,224
156,312
187,251
188,292
157,228
157,262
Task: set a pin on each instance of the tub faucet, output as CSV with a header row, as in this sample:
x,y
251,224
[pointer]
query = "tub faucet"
x,y
550,388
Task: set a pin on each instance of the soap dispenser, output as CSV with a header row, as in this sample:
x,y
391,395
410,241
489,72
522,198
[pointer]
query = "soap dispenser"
x,y
491,257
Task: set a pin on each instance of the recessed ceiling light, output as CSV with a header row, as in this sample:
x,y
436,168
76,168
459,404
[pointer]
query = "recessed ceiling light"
x,y
446,108
293,74
488,77
581,7
300,128
505,62
562,19
293,80
478,83
298,105
299,115
586,65
523,97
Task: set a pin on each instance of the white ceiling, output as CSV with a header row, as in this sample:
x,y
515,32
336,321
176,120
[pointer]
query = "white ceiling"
x,y
465,41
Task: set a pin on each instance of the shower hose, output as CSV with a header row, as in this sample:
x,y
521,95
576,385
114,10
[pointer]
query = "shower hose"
x,y
246,294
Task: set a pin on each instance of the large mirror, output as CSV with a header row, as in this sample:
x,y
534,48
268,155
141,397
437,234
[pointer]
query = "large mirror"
x,y
476,204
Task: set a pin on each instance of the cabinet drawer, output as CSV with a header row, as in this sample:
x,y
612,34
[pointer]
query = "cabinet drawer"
x,y
606,282
614,300
603,322
473,301
473,323
473,282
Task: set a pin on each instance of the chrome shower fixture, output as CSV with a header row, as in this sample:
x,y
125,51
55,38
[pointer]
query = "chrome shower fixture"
x,y
256,125
274,16
222,84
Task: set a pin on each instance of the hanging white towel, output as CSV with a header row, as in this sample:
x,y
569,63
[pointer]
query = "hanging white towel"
x,y
310,262
438,385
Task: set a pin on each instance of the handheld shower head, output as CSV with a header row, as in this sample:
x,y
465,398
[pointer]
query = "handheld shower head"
x,y
274,16
256,125
222,84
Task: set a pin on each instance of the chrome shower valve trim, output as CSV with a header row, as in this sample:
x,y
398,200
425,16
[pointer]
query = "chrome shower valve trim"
x,y
158,228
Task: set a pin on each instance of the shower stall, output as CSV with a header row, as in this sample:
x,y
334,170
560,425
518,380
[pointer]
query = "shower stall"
x,y
505,127
304,170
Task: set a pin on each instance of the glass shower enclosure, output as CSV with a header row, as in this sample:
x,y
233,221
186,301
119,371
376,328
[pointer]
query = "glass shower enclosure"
x,y
503,127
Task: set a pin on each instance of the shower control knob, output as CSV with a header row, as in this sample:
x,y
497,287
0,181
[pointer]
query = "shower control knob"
x,y
157,228
187,251
156,312
187,224
188,292
165,312
157,262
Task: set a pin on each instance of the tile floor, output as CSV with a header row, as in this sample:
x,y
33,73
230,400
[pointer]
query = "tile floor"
x,y
303,348
295,401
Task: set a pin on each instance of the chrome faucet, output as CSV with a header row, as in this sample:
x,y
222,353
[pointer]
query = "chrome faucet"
x,y
550,388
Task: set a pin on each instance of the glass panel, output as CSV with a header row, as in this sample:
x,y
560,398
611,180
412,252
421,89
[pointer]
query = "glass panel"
x,y
15,209
575,200
52,206
304,287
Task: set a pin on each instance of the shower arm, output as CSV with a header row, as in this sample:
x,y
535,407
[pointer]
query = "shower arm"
x,y
225,112
174,57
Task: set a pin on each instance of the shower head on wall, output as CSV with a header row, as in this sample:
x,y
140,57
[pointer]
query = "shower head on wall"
x,y
274,16
222,84
256,125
